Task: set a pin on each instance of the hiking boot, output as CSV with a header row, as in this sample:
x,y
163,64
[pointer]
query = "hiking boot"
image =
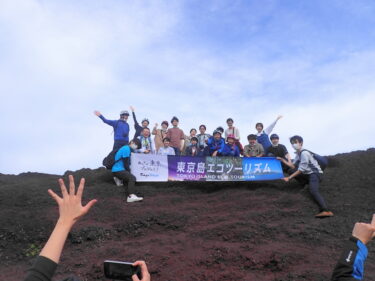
x,y
133,198
324,214
118,181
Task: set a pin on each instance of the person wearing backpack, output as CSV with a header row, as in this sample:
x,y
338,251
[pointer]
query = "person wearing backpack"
x,y
306,169
121,170
120,128
147,144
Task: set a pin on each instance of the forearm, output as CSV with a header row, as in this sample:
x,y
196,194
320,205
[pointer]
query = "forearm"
x,y
56,241
182,143
296,173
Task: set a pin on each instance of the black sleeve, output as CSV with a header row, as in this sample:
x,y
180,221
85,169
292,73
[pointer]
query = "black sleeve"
x,y
126,162
42,270
136,125
350,264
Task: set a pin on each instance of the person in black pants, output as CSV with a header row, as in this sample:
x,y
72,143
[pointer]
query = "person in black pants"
x,y
305,169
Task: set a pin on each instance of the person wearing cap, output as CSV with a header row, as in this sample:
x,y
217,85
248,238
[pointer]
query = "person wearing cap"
x,y
177,136
262,135
202,137
166,149
160,134
279,151
138,128
120,128
193,148
215,144
230,148
253,149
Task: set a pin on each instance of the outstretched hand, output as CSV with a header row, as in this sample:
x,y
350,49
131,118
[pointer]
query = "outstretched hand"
x,y
70,205
97,113
145,274
132,108
279,117
363,231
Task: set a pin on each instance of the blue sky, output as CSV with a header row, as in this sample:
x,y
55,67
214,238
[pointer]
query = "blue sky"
x,y
203,61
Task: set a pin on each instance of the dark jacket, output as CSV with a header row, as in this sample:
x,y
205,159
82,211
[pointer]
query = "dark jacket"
x,y
189,151
350,266
138,128
231,150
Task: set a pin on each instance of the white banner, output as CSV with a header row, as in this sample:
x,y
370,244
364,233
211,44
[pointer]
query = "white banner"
x,y
149,168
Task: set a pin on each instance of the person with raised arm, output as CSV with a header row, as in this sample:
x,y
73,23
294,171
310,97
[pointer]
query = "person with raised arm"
x,y
351,264
120,128
262,135
138,128
70,211
160,134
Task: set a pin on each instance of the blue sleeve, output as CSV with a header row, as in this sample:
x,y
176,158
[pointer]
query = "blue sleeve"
x,y
350,266
359,262
222,144
109,122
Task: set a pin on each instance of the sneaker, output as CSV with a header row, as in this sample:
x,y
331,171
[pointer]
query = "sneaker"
x,y
133,198
118,181
324,214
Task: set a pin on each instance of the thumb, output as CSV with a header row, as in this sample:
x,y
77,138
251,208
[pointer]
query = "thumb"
x,y
89,205
135,277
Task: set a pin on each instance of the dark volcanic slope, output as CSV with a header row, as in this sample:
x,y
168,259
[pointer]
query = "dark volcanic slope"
x,y
194,231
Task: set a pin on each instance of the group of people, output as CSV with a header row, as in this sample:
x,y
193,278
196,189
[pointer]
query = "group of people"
x,y
172,141
350,265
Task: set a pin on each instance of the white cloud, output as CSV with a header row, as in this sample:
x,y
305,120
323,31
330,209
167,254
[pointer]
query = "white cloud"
x,y
65,59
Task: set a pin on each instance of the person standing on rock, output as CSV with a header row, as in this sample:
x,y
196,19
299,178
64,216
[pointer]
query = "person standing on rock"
x,y
306,169
120,128
177,136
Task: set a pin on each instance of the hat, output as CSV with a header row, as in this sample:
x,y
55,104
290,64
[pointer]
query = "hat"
x,y
274,136
231,137
216,132
124,112
220,129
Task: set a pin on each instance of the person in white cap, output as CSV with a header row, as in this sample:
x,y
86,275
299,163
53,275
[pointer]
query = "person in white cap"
x,y
120,128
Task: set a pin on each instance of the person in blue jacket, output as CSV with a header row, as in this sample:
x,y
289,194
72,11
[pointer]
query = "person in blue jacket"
x,y
120,128
350,266
121,170
215,144
262,135
230,148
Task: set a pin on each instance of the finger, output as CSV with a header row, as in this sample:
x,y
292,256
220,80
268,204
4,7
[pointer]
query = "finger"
x,y
89,205
373,220
143,266
135,277
64,192
80,188
71,185
54,196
